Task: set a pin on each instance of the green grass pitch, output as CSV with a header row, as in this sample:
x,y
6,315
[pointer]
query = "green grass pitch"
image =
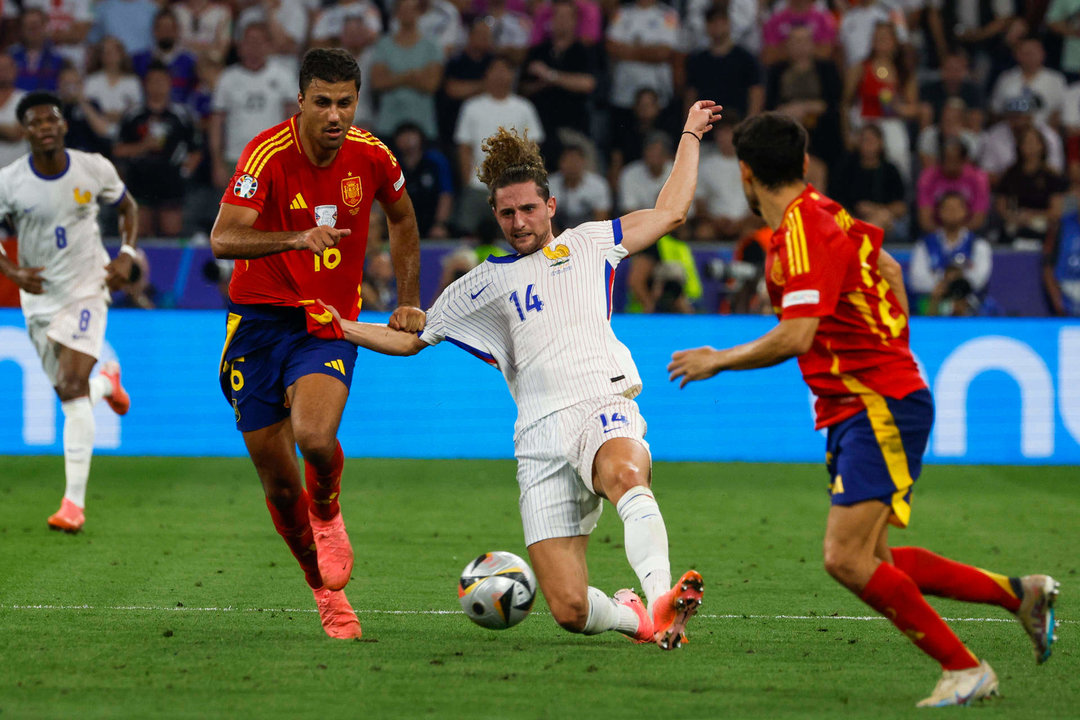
x,y
180,601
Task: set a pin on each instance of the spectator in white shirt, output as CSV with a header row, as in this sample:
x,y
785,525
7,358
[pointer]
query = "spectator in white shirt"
x,y
113,87
581,195
250,97
482,116
205,27
721,207
1031,79
12,143
641,180
641,43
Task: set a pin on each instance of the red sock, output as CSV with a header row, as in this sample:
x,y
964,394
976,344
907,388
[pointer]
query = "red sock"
x,y
895,595
295,528
936,575
324,487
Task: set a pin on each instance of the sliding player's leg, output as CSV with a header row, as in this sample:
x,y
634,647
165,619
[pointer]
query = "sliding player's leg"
x,y
559,564
620,467
273,452
317,401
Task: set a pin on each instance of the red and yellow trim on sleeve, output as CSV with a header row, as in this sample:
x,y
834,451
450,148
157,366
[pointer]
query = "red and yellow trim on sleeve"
x,y
355,134
269,148
795,242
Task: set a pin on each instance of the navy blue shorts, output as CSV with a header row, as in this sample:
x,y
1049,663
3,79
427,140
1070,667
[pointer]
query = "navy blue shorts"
x,y
267,348
877,454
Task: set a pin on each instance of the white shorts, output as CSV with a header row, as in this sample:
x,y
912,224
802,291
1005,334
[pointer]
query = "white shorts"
x,y
555,460
79,326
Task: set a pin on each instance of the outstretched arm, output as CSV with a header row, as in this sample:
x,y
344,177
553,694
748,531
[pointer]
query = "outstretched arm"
x,y
644,227
379,338
788,339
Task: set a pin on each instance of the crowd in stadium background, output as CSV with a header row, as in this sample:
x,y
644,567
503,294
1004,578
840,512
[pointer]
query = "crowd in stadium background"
x,y
953,125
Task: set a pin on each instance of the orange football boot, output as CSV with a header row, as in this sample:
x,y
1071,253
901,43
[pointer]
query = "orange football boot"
x,y
333,549
338,619
119,400
69,518
673,610
629,598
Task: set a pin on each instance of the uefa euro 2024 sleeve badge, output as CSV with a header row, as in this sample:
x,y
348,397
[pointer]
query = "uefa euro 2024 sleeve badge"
x,y
326,215
245,187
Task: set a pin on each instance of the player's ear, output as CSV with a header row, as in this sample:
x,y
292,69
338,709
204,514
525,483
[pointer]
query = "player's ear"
x,y
300,99
805,164
551,206
745,173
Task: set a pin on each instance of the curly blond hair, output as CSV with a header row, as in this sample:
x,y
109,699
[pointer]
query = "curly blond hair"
x,y
510,158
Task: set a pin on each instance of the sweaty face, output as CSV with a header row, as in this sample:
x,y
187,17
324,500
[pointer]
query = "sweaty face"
x,y
327,111
45,128
524,216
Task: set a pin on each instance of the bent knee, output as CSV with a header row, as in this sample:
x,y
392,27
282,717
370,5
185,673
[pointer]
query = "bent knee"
x,y
317,445
71,388
620,479
570,613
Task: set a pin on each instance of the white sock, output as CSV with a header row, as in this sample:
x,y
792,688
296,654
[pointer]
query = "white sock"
x,y
646,541
603,613
78,446
99,387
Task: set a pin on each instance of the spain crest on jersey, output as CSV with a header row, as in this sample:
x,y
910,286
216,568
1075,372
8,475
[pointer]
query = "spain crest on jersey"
x,y
352,192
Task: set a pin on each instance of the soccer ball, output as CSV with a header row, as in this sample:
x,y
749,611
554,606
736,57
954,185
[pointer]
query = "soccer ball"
x,y
497,590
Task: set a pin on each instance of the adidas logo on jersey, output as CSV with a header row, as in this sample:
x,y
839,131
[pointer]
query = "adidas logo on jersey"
x,y
298,203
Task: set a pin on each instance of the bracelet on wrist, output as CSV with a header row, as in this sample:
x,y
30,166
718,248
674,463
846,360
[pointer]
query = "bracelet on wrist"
x,y
692,134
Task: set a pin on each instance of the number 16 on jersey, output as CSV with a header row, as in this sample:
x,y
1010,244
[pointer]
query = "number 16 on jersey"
x,y
532,302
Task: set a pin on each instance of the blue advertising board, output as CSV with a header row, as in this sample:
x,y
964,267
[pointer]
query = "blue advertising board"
x,y
1007,391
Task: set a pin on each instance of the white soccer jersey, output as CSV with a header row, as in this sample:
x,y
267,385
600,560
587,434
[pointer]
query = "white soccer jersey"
x,y
56,219
544,320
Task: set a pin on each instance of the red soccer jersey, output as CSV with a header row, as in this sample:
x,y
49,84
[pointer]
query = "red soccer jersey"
x,y
823,263
275,177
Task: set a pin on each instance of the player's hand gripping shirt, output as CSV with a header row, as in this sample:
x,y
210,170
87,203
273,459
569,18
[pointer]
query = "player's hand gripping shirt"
x,y
823,263
55,218
275,177
544,320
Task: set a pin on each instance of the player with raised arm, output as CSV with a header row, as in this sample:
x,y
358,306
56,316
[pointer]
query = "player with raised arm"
x,y
64,276
295,218
542,317
843,312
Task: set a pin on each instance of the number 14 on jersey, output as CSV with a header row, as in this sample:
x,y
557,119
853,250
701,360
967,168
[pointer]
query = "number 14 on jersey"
x,y
532,302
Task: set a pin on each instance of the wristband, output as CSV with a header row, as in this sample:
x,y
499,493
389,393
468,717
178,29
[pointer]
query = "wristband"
x,y
692,134
129,250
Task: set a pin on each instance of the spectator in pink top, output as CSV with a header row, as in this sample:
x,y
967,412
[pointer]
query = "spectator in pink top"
x,y
954,173
798,13
590,23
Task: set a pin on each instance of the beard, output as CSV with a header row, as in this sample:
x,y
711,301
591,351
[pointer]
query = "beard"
x,y
752,199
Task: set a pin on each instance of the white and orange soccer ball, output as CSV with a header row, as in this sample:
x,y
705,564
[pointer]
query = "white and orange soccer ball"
x,y
497,590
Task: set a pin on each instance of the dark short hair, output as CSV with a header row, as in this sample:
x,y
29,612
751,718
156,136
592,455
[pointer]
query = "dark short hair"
x,y
408,126
331,65
718,9
157,66
773,145
35,99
